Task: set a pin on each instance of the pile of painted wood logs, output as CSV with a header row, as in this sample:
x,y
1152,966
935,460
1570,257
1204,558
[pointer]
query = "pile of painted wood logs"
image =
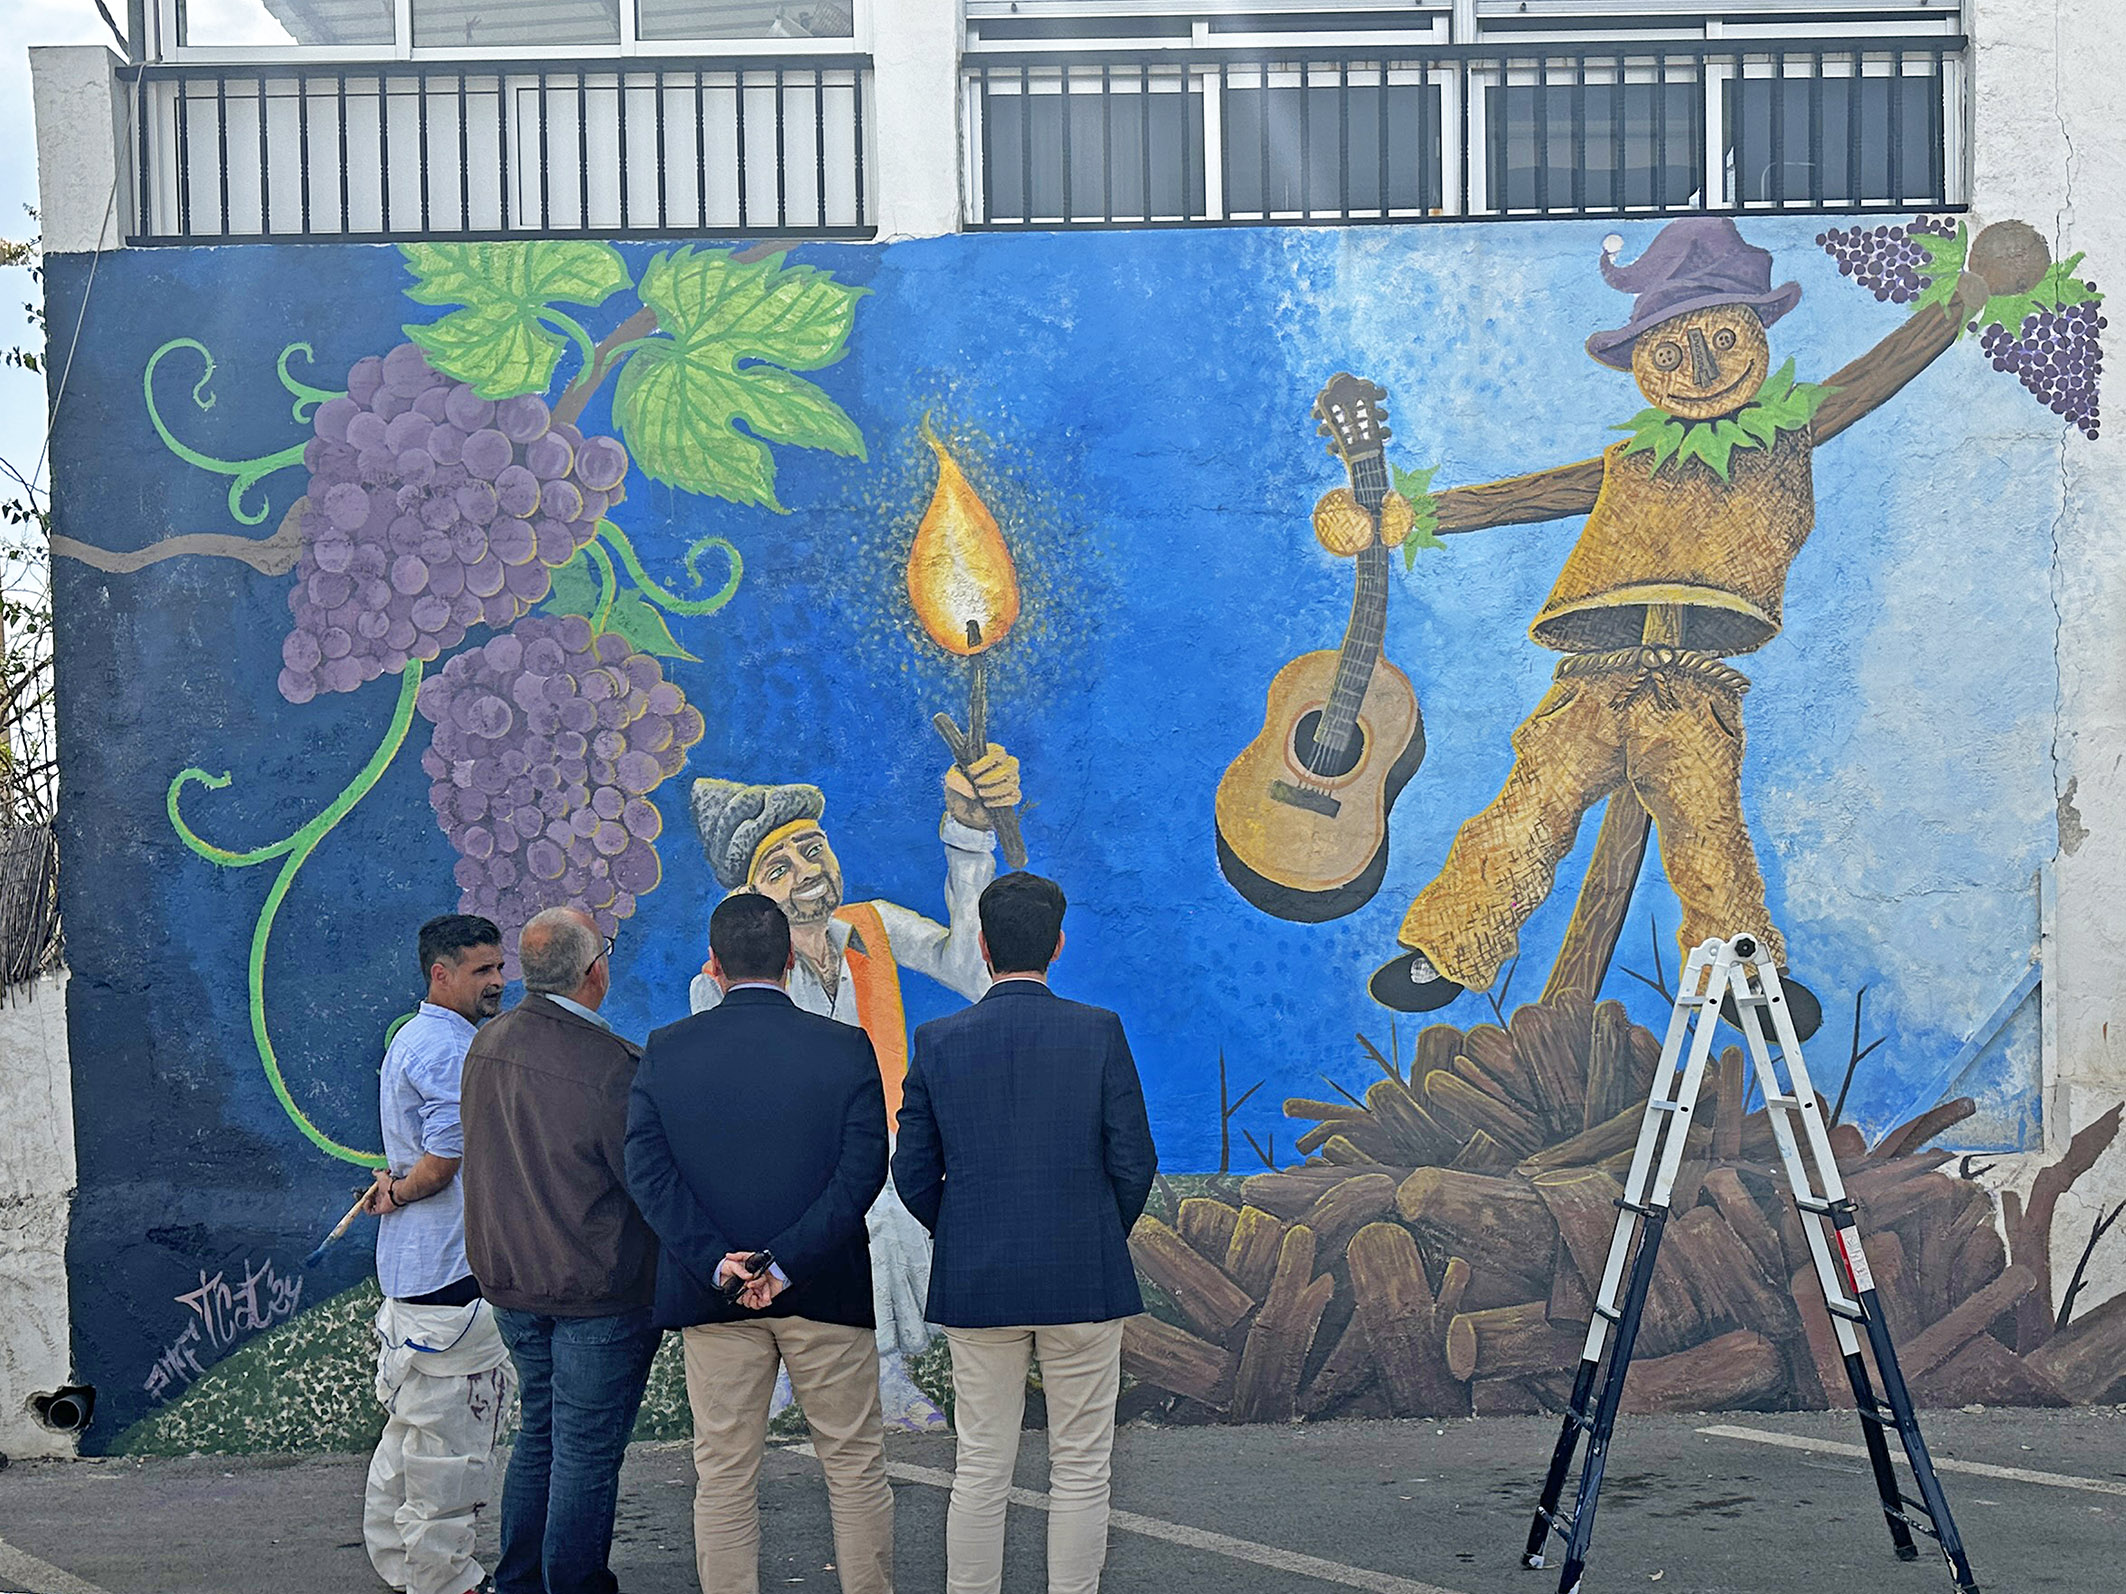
x,y
1439,1253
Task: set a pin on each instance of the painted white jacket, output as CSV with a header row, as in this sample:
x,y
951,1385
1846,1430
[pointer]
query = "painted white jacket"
x,y
950,953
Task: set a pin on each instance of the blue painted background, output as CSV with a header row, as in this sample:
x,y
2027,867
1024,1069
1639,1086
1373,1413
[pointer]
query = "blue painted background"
x,y
1139,410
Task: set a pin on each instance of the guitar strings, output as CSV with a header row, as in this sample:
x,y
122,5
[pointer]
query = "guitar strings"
x,y
1374,468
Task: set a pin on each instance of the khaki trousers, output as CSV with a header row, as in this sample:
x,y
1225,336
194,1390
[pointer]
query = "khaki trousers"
x,y
1660,726
730,1371
1081,1373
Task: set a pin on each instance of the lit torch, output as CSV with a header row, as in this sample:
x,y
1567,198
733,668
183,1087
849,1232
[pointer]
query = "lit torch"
x,y
966,593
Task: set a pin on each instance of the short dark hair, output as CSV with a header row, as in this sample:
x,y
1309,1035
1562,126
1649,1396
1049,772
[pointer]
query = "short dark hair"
x,y
451,934
750,937
1022,920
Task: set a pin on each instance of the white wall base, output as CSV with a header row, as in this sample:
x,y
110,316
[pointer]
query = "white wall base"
x,y
36,1193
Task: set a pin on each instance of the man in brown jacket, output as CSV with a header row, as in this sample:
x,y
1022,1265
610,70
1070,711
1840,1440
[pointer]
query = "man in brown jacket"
x,y
560,1251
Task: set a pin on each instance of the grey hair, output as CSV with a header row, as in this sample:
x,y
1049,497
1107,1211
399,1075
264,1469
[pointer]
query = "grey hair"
x,y
556,951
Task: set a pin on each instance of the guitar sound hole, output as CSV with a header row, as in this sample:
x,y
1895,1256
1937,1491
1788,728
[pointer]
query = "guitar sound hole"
x,y
1329,765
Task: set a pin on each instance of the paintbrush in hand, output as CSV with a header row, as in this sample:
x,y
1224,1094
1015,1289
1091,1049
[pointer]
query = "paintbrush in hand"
x,y
339,1228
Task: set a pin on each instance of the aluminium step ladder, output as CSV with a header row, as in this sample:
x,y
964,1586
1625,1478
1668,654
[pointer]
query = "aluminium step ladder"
x,y
1716,972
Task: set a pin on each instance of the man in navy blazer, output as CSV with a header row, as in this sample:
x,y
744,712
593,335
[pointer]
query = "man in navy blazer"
x,y
755,1127
1024,1149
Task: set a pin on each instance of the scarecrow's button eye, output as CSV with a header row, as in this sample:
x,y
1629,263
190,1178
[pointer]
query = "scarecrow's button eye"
x,y
1724,339
1667,356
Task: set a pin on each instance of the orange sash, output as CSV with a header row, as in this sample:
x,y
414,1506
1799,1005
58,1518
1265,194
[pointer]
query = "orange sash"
x,y
878,997
876,978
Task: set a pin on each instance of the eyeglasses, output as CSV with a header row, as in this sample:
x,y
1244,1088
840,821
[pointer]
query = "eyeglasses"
x,y
605,953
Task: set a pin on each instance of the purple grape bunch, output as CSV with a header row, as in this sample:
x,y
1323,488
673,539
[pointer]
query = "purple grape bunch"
x,y
1887,261
548,742
431,510
2057,354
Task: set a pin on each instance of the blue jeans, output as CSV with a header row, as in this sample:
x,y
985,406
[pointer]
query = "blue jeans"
x,y
581,1381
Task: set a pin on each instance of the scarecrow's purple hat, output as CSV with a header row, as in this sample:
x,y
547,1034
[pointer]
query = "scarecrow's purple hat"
x,y
1692,264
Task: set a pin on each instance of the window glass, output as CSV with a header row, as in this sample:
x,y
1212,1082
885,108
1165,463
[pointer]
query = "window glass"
x,y
745,19
1631,144
1876,140
275,22
514,24
1283,147
1115,144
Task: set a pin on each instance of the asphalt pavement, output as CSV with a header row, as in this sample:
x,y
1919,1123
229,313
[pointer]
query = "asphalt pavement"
x,y
1729,1504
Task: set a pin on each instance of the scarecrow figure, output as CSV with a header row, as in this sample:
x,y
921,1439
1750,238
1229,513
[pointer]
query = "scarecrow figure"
x,y
1692,524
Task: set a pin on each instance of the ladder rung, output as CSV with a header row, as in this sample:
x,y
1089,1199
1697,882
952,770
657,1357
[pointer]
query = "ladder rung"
x,y
1917,1505
1560,1521
1664,1106
1782,1101
1812,1204
1850,1313
1874,1414
1609,1313
1645,1209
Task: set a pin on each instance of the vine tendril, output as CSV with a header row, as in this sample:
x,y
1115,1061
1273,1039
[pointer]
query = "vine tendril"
x,y
297,849
608,585
246,473
303,391
561,321
677,605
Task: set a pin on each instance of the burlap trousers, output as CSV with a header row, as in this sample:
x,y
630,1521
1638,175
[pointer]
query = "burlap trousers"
x,y
1664,724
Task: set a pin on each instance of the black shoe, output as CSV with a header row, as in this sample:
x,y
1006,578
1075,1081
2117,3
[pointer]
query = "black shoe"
x,y
1801,1006
1399,984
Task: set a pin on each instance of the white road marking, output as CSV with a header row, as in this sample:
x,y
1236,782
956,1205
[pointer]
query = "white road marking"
x,y
20,1569
1980,1469
1266,1555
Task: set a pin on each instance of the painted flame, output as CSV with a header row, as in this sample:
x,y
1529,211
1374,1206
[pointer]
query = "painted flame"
x,y
959,569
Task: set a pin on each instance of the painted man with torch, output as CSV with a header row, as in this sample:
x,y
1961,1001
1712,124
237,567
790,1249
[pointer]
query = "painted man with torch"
x,y
850,956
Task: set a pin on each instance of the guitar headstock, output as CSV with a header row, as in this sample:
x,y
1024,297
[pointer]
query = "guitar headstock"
x,y
1354,417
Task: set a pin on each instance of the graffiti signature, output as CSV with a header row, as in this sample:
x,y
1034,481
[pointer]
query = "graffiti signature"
x,y
224,1312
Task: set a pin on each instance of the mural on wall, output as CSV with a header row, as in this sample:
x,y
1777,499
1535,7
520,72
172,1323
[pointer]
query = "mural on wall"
x,y
1050,479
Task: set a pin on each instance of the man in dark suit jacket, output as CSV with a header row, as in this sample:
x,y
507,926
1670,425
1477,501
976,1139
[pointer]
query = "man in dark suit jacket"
x,y
1024,1149
756,1143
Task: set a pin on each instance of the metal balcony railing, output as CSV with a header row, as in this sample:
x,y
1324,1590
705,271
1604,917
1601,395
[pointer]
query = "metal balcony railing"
x,y
1209,137
743,146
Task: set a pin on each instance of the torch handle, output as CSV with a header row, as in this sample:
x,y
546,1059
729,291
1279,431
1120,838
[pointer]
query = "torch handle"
x,y
965,750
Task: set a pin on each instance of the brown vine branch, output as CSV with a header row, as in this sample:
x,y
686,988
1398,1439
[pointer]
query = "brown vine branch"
x,y
610,349
269,556
603,359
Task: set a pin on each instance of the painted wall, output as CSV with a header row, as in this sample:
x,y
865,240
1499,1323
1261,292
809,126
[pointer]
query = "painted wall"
x,y
1134,411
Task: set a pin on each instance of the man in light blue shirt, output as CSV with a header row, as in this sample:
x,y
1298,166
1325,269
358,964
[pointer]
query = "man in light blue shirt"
x,y
442,1372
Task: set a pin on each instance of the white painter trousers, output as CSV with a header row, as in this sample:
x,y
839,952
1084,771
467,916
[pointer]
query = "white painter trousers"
x,y
444,1376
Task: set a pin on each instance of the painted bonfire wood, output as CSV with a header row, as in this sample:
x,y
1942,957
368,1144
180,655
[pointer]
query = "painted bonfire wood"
x,y
1266,1389
1161,1354
1210,1301
1396,1307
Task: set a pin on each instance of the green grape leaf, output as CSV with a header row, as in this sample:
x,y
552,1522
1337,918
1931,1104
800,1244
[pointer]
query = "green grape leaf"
x,y
499,340
1416,485
731,335
574,588
639,620
577,590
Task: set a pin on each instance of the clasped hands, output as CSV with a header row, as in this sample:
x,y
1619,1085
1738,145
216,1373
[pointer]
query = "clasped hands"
x,y
760,1288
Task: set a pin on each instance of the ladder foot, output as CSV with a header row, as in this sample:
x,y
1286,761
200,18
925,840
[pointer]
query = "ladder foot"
x,y
1534,1563
1908,1552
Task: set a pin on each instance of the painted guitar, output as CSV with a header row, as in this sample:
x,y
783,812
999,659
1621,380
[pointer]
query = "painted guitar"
x,y
1303,811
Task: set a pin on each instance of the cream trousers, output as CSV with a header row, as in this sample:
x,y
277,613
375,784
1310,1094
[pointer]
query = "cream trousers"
x,y
444,1378
1081,1373
834,1373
